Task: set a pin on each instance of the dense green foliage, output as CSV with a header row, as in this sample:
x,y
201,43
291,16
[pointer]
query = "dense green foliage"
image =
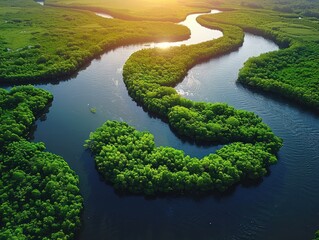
x,y
129,159
18,110
45,43
221,123
39,194
291,72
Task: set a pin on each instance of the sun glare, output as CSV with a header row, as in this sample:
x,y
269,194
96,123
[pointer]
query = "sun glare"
x,y
164,45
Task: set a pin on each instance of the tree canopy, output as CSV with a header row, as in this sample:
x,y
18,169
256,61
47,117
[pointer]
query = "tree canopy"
x,y
130,161
39,194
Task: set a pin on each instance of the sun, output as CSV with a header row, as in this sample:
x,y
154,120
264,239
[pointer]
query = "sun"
x,y
164,45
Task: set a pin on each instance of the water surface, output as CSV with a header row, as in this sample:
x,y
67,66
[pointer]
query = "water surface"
x,y
103,15
40,2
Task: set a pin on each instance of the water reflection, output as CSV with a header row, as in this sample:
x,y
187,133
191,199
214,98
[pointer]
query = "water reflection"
x,y
40,2
103,15
198,33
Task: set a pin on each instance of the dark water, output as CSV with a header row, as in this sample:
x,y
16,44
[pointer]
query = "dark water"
x,y
283,206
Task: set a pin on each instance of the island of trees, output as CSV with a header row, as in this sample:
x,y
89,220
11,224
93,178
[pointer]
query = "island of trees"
x,y
130,161
39,194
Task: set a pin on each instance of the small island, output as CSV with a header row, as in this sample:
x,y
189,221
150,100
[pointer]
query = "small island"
x,y
130,161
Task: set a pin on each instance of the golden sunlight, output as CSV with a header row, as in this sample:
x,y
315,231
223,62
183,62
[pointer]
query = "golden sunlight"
x,y
163,45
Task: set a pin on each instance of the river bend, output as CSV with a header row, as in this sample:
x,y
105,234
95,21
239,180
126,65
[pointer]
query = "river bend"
x,y
288,197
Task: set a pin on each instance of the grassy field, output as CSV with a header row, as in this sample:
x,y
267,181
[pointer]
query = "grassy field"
x,y
163,10
174,10
42,43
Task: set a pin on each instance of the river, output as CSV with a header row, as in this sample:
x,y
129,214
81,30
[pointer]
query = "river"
x,y
282,206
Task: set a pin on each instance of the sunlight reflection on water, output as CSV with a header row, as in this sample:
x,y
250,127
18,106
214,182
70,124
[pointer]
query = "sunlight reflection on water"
x,y
198,33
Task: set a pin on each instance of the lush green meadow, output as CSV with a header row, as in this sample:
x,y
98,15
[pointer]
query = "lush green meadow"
x,y
163,10
173,10
43,43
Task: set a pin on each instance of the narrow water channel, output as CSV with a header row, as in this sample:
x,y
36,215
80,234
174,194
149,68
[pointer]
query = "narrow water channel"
x,y
283,206
41,2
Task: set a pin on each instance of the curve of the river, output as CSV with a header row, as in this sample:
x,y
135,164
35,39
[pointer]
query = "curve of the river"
x,y
283,206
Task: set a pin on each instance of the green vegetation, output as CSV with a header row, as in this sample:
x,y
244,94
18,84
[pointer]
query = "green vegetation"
x,y
163,10
220,123
39,194
43,43
174,10
40,198
130,161
18,110
93,110
291,72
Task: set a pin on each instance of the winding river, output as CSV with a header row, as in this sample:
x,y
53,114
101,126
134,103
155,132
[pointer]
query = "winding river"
x,y
282,206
